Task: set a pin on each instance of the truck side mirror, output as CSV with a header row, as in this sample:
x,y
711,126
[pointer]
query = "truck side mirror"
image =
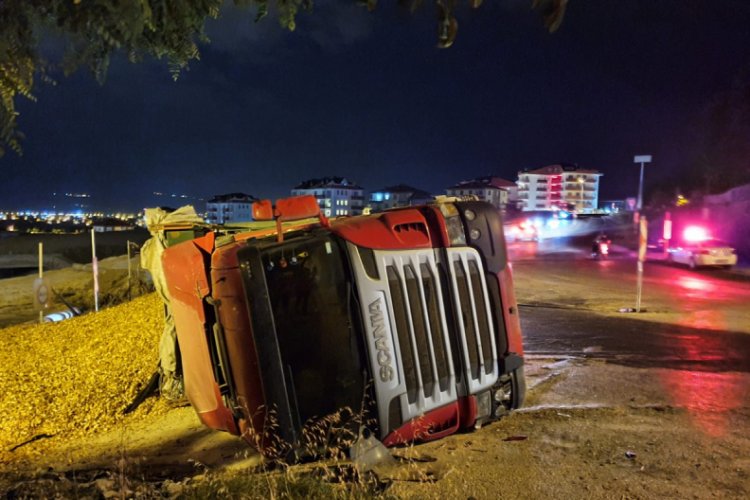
x,y
297,207
262,210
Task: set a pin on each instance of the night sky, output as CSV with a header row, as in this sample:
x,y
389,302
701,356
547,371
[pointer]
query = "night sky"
x,y
369,97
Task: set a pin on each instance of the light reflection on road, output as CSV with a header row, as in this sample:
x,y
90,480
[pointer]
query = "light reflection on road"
x,y
705,319
708,299
696,286
708,397
527,250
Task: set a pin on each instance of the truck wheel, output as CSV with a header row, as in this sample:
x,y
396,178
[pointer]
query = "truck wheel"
x,y
510,392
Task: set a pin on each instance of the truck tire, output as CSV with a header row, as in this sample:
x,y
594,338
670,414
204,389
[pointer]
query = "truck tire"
x,y
510,392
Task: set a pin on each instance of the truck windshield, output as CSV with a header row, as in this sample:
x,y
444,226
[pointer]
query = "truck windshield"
x,y
309,291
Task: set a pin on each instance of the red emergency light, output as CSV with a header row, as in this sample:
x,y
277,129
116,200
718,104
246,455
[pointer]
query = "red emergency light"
x,y
695,234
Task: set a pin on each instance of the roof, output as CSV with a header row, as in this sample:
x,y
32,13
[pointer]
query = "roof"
x,y
561,168
226,198
488,181
326,182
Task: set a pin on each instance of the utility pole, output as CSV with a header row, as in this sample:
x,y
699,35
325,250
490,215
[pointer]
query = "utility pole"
x,y
642,159
95,270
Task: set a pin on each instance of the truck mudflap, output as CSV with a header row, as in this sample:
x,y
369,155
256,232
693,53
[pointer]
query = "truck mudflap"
x,y
185,267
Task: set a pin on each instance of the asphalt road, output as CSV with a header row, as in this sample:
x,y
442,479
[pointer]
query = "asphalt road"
x,y
569,305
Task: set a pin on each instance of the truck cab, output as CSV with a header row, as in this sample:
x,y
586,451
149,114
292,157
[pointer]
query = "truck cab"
x,y
406,320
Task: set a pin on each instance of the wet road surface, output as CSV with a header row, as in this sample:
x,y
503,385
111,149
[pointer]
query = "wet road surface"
x,y
632,342
695,320
690,350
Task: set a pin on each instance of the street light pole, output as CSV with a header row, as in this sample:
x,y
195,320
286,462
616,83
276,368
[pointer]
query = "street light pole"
x,y
642,159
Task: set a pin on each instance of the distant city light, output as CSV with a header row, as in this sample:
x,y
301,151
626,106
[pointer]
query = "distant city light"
x,y
175,195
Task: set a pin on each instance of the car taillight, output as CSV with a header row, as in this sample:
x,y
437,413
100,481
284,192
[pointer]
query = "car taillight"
x,y
604,248
705,252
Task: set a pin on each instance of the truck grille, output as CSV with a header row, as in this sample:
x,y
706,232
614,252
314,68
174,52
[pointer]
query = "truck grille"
x,y
419,327
439,326
473,318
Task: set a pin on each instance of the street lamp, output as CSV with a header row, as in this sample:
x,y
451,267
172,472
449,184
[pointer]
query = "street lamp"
x,y
642,159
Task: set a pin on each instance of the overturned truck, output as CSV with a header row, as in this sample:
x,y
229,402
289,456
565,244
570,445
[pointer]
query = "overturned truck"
x,y
408,318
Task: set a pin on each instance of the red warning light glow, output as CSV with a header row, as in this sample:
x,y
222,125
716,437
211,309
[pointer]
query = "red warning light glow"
x,y
695,234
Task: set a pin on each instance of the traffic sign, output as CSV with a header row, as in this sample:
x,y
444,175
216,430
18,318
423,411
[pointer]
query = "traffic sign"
x,y
42,294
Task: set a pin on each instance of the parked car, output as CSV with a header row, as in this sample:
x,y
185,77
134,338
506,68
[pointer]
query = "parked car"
x,y
708,252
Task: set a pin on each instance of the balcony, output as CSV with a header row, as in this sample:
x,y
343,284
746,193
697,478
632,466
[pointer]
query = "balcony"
x,y
577,188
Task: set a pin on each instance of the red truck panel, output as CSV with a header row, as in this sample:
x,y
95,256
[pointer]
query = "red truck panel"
x,y
233,313
436,424
397,229
510,311
185,270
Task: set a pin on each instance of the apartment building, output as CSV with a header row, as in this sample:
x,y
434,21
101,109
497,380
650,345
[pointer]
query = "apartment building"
x,y
337,196
228,208
495,190
400,195
560,186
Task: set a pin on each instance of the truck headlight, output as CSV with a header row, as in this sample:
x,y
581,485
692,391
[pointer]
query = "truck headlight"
x,y
453,224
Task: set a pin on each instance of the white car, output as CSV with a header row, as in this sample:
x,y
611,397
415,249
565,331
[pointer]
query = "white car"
x,y
708,252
